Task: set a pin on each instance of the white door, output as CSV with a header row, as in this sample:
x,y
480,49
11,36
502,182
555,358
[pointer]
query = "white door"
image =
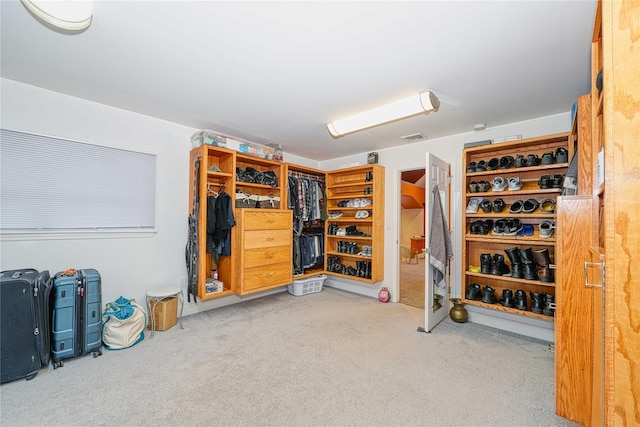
x,y
436,304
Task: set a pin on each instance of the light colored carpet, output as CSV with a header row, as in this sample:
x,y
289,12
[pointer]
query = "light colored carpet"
x,y
412,282
326,359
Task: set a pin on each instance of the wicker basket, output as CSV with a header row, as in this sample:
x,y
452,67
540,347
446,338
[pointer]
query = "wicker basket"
x,y
246,200
269,201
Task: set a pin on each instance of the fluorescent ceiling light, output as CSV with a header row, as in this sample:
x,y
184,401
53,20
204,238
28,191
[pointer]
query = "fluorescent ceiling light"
x,y
421,103
71,15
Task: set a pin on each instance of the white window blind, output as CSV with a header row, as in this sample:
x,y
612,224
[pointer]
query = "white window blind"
x,y
50,184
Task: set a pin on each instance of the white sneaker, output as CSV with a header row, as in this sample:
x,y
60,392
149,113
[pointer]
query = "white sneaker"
x,y
362,214
334,215
341,232
365,202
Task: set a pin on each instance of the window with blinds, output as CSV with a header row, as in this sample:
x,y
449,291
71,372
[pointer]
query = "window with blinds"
x,y
50,184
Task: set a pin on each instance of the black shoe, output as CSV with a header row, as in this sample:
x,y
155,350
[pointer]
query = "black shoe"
x,y
547,158
506,162
516,263
485,263
489,295
562,155
507,298
537,302
521,161
474,292
498,205
493,164
528,269
521,300
498,267
548,301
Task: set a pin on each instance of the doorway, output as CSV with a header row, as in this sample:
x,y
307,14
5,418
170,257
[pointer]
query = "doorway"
x,y
412,234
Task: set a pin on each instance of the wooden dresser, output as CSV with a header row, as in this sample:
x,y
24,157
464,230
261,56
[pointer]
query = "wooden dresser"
x,y
265,259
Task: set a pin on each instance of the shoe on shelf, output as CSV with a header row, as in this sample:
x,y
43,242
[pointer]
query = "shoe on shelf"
x,y
362,214
521,300
499,183
334,215
507,298
546,229
506,162
530,205
516,207
483,186
474,292
547,158
548,206
514,183
562,155
521,161
489,295
493,164
533,160
498,205
486,205
471,167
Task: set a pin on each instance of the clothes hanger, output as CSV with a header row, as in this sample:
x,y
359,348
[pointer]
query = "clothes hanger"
x,y
211,191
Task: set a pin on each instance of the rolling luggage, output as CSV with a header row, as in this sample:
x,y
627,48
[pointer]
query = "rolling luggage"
x,y
76,315
24,334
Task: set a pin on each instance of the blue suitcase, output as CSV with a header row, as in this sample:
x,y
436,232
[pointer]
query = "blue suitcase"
x,y
76,315
24,324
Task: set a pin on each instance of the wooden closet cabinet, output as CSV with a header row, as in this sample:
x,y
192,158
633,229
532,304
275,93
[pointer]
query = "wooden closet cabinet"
x,y
261,239
347,227
476,243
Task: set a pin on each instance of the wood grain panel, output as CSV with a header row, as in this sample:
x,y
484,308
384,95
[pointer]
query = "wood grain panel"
x,y
266,220
267,276
574,314
267,256
621,62
266,238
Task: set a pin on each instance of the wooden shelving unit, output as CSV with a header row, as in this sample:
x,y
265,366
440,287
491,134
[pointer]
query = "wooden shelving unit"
x,y
476,244
350,184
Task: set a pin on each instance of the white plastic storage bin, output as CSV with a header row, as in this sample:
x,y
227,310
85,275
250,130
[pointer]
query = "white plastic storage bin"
x,y
307,286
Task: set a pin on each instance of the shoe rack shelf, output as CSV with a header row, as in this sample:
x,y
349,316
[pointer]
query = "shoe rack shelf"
x,y
476,244
360,182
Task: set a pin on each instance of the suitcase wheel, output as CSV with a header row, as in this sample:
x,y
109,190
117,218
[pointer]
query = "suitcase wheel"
x,y
97,353
57,365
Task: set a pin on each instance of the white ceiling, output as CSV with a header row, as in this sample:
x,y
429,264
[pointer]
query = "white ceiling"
x,y
278,71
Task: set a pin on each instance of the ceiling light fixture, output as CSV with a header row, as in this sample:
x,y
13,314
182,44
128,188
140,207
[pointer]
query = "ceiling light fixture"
x,y
421,103
479,126
69,15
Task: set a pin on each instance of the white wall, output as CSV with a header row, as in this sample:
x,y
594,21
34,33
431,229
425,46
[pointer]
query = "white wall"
x,y
128,265
449,149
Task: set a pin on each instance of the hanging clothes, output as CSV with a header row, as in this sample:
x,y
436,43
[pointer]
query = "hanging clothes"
x,y
220,221
307,200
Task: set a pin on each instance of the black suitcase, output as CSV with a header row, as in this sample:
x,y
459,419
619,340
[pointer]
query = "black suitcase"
x,y
24,329
76,315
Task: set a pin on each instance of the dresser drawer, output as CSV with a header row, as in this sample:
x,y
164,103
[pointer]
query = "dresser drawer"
x,y
259,277
267,256
265,220
266,238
